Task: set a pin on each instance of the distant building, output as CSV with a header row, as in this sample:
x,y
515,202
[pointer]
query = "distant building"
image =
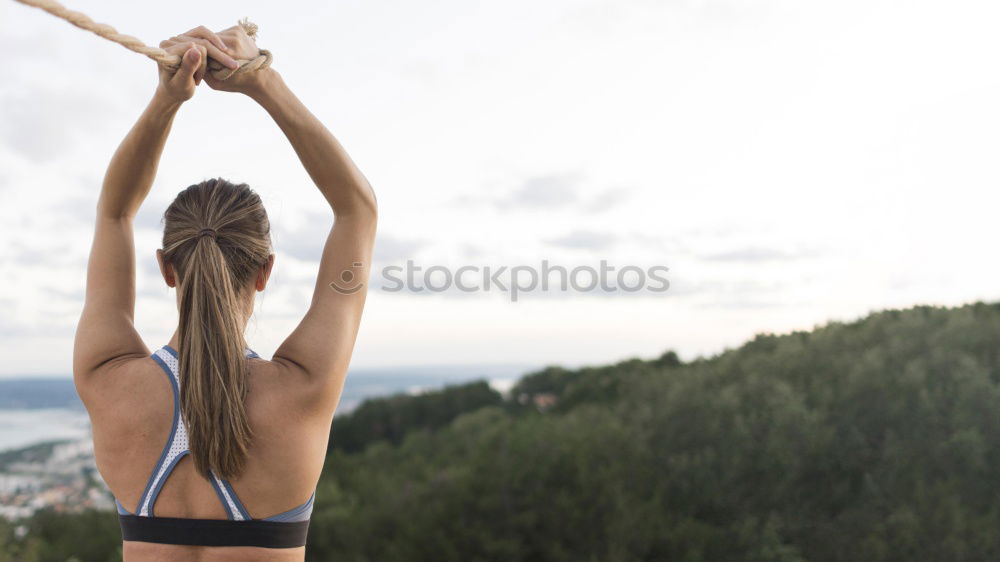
x,y
545,400
66,480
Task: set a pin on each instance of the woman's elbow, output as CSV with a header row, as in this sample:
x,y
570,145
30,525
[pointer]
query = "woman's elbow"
x,y
363,203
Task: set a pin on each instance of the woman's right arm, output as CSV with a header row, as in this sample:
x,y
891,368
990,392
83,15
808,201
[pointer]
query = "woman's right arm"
x,y
320,347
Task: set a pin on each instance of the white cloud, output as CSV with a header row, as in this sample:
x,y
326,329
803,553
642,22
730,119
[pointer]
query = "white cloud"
x,y
585,240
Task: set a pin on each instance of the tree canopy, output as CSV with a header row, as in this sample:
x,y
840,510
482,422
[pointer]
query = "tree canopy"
x,y
870,440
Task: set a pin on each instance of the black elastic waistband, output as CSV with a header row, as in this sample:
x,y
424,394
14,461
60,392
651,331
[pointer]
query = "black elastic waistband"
x,y
214,532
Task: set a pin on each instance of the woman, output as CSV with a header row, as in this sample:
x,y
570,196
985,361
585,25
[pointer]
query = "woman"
x,y
226,446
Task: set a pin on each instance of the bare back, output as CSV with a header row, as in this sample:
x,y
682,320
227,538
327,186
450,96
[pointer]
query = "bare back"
x,y
131,423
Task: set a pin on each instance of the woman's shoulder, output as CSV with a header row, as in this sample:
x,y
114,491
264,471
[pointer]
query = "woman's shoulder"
x,y
284,386
121,396
140,386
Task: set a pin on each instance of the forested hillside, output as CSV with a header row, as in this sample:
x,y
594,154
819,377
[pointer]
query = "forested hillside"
x,y
872,440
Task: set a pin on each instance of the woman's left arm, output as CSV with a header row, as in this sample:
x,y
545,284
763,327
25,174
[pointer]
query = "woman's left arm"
x,y
105,335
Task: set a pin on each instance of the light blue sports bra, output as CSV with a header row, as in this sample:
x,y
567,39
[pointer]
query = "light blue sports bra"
x,y
177,446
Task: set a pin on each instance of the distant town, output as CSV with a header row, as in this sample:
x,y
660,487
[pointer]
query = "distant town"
x,y
61,475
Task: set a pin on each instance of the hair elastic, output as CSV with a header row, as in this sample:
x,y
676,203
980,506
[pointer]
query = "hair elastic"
x,y
207,232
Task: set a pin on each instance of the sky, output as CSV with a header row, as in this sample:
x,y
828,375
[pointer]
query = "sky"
x,y
790,163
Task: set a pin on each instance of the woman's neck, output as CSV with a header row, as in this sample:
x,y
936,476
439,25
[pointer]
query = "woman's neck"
x,y
175,340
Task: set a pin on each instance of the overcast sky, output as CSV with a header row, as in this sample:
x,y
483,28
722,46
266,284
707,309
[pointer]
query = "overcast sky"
x,y
791,162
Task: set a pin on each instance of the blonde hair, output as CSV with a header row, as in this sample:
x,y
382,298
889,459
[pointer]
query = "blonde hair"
x,y
217,237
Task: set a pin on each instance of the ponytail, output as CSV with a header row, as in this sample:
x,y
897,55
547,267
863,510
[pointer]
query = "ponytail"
x,y
217,237
213,361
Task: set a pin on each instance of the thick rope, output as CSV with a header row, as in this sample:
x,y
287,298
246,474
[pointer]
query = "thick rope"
x,y
163,58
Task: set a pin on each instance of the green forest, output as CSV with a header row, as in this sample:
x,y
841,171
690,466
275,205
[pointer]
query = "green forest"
x,y
872,440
